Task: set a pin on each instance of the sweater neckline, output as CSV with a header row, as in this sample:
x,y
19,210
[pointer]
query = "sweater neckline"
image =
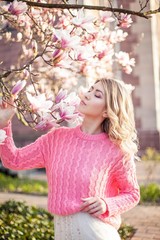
x,y
88,136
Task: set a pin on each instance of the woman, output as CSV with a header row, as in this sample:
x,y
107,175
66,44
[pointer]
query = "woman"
x,y
90,168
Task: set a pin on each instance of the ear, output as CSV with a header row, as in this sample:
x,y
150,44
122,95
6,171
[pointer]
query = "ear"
x,y
104,114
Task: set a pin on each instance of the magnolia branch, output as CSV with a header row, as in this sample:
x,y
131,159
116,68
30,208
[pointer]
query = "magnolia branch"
x,y
145,14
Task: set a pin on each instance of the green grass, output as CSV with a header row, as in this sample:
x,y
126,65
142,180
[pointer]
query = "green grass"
x,y
126,232
151,154
150,193
24,185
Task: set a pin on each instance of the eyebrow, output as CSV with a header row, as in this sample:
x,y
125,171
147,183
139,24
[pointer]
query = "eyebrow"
x,y
97,90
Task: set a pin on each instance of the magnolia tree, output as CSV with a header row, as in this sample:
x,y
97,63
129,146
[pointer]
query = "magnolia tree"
x,y
60,45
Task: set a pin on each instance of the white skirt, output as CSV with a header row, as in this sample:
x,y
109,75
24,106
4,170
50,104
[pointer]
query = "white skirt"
x,y
83,226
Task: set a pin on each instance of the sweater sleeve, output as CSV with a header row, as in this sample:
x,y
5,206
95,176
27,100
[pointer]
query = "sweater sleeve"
x,y
129,193
31,156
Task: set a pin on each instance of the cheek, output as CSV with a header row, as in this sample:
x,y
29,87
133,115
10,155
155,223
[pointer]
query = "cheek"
x,y
98,108
98,105
94,108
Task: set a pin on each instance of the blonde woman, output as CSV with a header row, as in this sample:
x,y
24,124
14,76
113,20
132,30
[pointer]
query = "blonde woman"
x,y
90,168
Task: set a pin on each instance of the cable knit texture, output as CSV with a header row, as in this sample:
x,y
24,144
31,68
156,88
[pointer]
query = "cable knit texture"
x,y
78,165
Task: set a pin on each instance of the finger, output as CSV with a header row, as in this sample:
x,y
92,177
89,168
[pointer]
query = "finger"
x,y
86,199
84,205
98,213
94,210
89,200
6,103
90,207
87,204
10,101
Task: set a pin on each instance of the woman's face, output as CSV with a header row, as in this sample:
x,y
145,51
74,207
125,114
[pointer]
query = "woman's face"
x,y
93,102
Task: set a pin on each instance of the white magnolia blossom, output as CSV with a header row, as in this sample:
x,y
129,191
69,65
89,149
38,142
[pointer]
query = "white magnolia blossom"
x,y
39,103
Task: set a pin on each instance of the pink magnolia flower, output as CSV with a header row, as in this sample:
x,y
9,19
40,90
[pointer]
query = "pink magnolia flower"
x,y
106,17
127,69
83,53
58,55
66,112
39,103
72,99
66,40
46,123
63,20
104,50
62,94
85,22
64,63
18,87
65,107
89,38
125,20
2,136
117,36
120,35
124,60
17,7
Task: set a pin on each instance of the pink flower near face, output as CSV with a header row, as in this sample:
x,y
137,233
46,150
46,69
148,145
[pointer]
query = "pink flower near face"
x,y
18,87
39,103
125,20
46,124
66,112
17,8
62,94
72,99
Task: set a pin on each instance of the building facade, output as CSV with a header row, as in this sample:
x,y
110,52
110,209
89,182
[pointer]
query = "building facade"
x,y
144,43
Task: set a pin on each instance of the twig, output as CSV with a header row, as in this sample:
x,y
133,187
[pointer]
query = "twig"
x,y
146,14
141,5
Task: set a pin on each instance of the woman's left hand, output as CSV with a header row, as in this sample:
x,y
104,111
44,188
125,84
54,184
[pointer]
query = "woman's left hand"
x,y
94,206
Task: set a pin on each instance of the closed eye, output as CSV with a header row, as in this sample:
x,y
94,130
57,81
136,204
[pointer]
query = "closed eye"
x,y
97,96
96,91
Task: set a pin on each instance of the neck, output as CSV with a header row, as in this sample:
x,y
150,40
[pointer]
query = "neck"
x,y
91,127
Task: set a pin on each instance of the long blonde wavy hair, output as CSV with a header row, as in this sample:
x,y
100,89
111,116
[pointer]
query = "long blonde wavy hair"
x,y
120,123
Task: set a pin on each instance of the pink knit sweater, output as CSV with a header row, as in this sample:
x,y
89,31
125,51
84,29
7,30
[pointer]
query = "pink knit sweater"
x,y
78,165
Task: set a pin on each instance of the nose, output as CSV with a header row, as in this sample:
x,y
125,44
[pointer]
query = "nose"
x,y
87,95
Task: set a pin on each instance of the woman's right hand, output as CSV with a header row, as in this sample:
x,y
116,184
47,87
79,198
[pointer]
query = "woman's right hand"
x,y
7,111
